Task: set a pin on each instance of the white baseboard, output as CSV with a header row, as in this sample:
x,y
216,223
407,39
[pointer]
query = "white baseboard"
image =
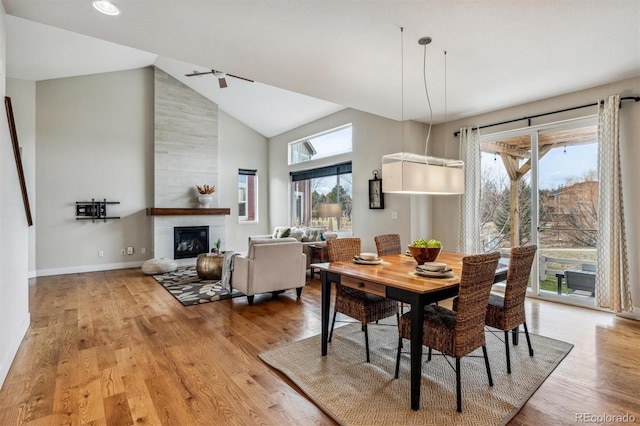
x,y
87,268
12,348
631,315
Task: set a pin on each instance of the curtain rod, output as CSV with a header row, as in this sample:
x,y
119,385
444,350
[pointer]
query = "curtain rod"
x,y
528,118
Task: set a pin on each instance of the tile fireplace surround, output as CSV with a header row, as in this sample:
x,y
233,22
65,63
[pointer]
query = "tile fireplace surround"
x,y
185,155
165,219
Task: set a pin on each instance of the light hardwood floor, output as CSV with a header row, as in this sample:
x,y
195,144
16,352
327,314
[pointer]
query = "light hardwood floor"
x,y
114,348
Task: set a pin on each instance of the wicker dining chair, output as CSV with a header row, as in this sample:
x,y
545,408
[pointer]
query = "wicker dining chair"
x,y
388,244
507,313
458,333
359,305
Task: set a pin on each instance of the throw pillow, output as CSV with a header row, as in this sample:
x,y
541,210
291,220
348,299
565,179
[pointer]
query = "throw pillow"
x,y
285,233
280,230
298,234
311,235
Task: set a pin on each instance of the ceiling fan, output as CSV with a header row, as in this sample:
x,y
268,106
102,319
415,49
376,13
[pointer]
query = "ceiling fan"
x,y
220,75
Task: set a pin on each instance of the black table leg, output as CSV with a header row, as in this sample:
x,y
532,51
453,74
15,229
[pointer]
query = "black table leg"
x,y
326,301
417,317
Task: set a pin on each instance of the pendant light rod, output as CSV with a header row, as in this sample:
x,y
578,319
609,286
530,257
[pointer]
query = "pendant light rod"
x,y
424,41
445,98
402,86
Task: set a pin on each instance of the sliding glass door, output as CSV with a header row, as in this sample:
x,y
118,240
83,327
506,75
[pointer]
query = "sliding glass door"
x,y
539,186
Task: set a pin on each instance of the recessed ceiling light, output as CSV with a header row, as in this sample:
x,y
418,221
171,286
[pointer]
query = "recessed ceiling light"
x,y
106,7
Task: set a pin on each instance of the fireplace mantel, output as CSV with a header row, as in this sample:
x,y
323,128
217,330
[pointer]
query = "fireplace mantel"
x,y
168,211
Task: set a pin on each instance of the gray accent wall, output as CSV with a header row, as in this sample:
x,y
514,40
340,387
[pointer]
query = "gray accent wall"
x,y
185,155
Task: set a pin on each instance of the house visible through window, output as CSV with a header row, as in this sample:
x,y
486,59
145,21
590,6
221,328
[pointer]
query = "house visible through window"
x,y
247,195
326,144
313,188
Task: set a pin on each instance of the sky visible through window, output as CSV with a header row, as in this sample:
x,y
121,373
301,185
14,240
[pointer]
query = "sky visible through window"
x,y
332,143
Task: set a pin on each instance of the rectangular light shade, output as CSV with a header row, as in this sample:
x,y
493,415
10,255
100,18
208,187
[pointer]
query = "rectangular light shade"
x,y
408,173
329,210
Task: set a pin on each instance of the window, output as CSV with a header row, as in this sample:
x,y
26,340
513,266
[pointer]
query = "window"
x,y
540,186
314,188
247,195
327,144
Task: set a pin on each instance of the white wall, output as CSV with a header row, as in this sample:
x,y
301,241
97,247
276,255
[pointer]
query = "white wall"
x,y
14,255
94,140
373,137
630,148
240,147
23,101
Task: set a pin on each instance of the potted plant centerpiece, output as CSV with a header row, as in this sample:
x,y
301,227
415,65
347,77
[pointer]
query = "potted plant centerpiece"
x,y
425,250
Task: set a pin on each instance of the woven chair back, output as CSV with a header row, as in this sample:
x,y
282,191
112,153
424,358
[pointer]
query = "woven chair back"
x,y
343,249
478,272
388,244
520,263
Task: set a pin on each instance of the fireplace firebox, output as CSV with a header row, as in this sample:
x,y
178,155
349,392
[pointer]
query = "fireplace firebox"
x,y
190,241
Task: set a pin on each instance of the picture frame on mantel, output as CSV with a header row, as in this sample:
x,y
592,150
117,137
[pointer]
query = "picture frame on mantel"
x,y
16,153
376,197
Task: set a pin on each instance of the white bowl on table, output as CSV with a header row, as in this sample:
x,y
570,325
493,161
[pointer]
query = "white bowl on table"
x,y
368,256
434,266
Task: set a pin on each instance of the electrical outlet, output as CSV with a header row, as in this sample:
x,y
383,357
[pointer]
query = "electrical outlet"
x,y
100,253
129,250
143,250
394,215
123,252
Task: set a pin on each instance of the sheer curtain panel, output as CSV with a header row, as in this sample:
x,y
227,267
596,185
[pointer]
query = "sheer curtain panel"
x,y
469,220
612,276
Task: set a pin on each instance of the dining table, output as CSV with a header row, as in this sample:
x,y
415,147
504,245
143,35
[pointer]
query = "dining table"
x,y
394,276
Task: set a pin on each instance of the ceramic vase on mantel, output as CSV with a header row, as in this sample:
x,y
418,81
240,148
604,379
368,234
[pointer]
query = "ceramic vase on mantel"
x,y
205,200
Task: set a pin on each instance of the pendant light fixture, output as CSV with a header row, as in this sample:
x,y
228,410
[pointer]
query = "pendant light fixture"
x,y
409,173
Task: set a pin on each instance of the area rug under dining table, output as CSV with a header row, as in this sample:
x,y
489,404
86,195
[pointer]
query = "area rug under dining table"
x,y
354,392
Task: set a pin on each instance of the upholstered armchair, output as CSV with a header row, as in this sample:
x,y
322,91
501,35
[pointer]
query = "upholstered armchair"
x,y
270,266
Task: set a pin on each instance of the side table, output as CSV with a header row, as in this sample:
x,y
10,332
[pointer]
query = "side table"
x,y
319,254
209,266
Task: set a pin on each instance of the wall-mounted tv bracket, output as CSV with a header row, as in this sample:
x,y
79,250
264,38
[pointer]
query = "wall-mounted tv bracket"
x,y
94,210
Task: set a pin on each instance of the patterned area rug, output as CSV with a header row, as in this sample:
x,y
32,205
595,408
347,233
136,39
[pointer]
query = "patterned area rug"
x,y
355,392
185,285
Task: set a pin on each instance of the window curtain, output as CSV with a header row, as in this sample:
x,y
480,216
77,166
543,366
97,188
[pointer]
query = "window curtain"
x,y
469,219
612,276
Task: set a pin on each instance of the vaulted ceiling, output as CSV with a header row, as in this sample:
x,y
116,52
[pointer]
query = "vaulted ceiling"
x,y
310,58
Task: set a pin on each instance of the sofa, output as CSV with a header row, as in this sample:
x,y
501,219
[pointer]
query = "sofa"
x,y
306,236
270,266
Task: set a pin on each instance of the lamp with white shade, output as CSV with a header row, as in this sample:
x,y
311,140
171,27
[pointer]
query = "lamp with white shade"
x,y
329,210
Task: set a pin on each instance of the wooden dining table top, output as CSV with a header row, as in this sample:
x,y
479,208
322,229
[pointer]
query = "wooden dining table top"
x,y
398,270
